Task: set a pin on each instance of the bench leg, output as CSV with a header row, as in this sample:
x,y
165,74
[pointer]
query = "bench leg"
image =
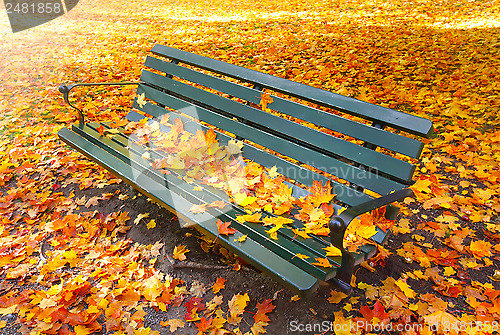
x,y
344,274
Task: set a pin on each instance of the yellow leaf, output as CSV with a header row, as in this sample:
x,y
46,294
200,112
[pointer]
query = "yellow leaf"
x,y
405,288
258,328
244,200
151,288
449,271
55,289
151,224
324,262
237,304
180,251
242,238
81,330
92,309
273,172
336,297
301,256
141,100
332,251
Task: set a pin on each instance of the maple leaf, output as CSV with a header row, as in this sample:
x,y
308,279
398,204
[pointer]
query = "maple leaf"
x,y
442,319
218,204
197,209
273,172
336,297
141,100
301,256
151,224
180,251
204,325
265,99
223,228
155,249
262,309
243,199
237,306
94,201
193,306
140,217
324,262
480,249
219,285
255,217
240,239
234,147
81,330
377,312
405,288
174,324
332,251
258,328
100,129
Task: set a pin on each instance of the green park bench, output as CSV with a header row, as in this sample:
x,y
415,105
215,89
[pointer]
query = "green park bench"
x,y
369,148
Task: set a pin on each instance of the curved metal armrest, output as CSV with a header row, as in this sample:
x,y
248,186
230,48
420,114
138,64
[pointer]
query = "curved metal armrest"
x,y
65,89
339,224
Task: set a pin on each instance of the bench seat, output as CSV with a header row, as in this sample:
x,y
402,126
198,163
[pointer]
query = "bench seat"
x,y
327,142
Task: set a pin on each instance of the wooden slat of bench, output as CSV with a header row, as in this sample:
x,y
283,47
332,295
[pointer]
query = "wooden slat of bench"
x,y
287,246
291,131
366,133
192,127
345,171
345,194
398,120
262,258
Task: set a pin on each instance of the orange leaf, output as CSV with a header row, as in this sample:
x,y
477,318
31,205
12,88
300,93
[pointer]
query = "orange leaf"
x,y
265,99
100,129
480,248
220,283
204,325
223,228
262,309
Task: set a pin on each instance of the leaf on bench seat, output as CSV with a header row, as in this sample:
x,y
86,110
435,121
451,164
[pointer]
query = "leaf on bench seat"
x,y
141,100
223,228
197,209
324,262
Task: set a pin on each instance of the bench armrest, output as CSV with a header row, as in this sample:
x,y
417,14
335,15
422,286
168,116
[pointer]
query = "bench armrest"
x,y
339,224
65,89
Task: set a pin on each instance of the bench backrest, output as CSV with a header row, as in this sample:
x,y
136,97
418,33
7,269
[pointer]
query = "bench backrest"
x,y
357,142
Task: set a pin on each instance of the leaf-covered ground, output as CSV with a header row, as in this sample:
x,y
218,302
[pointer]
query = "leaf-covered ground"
x,y
69,259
